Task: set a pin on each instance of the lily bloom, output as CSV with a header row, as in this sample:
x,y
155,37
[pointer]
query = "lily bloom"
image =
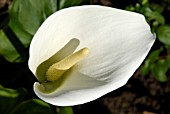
x,y
82,53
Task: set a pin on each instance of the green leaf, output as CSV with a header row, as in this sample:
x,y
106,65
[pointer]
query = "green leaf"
x,y
163,33
145,68
33,106
9,98
154,55
7,50
25,18
66,110
16,43
159,70
144,2
153,15
27,15
69,3
157,7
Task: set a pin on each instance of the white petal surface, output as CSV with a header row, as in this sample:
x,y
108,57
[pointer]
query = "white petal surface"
x,y
118,42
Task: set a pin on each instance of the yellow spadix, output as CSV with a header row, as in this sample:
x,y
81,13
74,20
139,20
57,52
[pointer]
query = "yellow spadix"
x,y
58,69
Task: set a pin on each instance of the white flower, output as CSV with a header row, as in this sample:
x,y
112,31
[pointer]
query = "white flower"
x,y
108,45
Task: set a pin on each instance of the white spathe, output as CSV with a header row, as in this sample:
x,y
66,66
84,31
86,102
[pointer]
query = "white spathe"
x,y
118,42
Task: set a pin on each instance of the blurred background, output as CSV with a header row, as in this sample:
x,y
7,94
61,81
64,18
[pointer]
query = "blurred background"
x,y
147,92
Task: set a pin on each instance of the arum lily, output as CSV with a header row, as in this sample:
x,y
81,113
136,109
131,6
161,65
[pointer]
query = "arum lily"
x,y
82,53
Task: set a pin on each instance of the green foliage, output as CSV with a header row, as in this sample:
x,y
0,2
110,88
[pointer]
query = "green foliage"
x,y
27,15
9,98
158,66
66,110
150,60
159,69
163,33
7,50
155,16
25,18
12,102
33,106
